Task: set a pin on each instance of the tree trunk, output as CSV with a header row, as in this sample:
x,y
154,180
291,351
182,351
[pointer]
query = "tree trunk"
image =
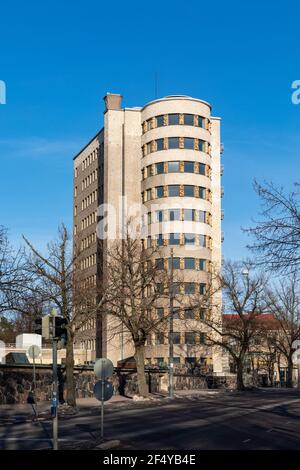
x,y
70,382
289,375
239,375
140,367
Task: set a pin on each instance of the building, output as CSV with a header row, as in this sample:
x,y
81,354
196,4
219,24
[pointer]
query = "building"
x,y
164,156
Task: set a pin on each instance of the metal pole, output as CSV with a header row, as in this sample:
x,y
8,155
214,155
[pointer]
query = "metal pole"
x,y
34,384
102,410
171,345
55,390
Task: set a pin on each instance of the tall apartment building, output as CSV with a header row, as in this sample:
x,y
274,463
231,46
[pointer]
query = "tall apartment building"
x,y
166,156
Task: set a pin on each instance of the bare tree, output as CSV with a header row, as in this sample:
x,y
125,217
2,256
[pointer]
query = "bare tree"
x,y
284,304
56,282
133,286
243,297
277,235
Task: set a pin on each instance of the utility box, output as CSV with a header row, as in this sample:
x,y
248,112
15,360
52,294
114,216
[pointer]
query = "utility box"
x,y
28,339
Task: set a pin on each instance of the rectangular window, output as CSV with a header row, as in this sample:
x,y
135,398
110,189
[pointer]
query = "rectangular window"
x,y
202,264
149,124
189,288
176,337
159,144
189,314
148,148
188,190
200,121
202,192
189,263
159,191
174,214
159,263
176,313
202,338
173,119
190,338
159,168
189,143
159,239
202,314
148,171
189,215
173,142
202,240
149,217
189,239
159,216
160,312
160,338
188,119
149,194
201,144
159,121
176,263
202,289
201,169
201,216
173,167
173,190
174,238
189,167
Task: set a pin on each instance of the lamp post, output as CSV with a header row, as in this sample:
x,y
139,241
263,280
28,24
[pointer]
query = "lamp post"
x,y
171,345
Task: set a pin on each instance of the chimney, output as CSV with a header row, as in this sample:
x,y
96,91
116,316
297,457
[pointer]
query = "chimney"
x,y
112,101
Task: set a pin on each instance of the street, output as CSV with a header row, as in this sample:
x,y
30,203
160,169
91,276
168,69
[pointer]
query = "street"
x,y
266,419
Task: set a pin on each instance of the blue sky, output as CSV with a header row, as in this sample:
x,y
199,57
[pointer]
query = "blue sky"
x,y
59,58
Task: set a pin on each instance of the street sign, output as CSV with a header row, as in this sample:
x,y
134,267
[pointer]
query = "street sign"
x,y
103,390
34,351
103,368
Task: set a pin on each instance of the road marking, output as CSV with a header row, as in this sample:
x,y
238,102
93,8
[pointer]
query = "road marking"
x,y
270,430
247,440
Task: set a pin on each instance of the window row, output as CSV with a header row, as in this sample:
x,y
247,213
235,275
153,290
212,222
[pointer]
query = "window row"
x,y
197,264
187,288
87,201
89,160
168,143
88,261
181,239
88,282
88,344
188,337
176,119
88,325
176,167
177,190
182,313
89,179
89,220
170,215
88,241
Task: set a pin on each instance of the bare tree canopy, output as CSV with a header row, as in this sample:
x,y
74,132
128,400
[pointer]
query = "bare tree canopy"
x,y
277,235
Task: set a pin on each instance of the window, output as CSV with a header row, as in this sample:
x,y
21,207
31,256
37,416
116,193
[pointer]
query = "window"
x,y
159,168
202,264
176,263
189,214
188,119
159,144
159,239
202,338
148,148
173,167
190,338
189,314
189,143
200,121
189,288
176,313
202,289
159,216
148,124
201,216
159,263
159,191
188,190
159,121
202,240
189,239
149,171
202,192
174,238
176,290
189,263
149,217
160,312
174,190
160,338
173,119
173,142
176,337
201,144
174,214
201,169
202,314
160,288
189,167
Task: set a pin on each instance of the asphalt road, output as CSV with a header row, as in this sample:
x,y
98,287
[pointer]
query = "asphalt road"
x,y
258,420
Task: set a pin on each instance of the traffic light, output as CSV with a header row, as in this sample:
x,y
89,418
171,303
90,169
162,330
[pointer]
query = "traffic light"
x,y
60,328
38,326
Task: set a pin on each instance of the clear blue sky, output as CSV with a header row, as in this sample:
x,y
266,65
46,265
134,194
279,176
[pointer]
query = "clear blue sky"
x,y
58,59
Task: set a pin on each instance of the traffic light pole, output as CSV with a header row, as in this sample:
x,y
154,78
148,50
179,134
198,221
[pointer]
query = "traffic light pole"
x,y
171,345
55,390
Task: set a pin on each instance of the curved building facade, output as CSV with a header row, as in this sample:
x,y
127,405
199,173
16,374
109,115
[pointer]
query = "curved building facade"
x,y
166,156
